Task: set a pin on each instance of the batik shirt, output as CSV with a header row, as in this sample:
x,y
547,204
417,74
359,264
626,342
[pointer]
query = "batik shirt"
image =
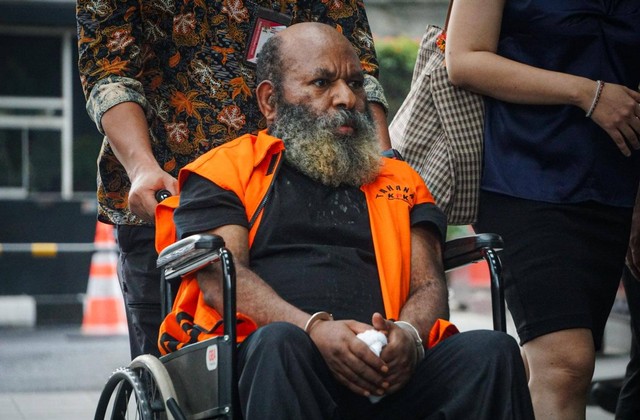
x,y
184,63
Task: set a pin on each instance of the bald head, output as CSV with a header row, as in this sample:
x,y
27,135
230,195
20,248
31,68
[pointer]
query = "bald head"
x,y
312,37
298,43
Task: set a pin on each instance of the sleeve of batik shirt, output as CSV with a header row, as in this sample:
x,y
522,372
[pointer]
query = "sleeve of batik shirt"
x,y
350,18
110,52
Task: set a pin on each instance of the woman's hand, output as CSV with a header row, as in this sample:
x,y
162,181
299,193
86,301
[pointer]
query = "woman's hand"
x,y
618,113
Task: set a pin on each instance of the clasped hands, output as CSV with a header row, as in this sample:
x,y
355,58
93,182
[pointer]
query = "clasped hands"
x,y
354,365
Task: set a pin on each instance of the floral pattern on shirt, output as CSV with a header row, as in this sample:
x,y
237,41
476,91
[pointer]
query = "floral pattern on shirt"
x,y
183,62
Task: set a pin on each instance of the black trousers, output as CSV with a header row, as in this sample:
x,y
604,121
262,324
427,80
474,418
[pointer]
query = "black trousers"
x,y
140,283
477,374
629,400
562,262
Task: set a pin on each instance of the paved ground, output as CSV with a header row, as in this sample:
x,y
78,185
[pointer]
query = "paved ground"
x,y
56,373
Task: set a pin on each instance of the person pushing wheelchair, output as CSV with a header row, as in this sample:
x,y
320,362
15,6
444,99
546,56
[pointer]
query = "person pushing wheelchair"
x,y
331,240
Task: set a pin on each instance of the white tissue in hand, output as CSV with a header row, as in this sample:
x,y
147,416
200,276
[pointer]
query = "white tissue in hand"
x,y
376,341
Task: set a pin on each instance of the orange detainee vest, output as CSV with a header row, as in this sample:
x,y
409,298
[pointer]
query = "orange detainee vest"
x,y
246,166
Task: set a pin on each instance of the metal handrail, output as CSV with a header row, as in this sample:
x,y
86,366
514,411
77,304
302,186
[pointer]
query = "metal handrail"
x,y
51,249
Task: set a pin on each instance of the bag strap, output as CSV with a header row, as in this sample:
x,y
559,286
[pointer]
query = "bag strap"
x,y
446,21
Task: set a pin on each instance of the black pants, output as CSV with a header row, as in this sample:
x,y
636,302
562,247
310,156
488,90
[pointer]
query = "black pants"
x,y
140,283
629,400
477,374
562,262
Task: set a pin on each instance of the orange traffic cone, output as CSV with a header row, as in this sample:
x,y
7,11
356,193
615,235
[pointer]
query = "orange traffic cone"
x,y
478,274
104,308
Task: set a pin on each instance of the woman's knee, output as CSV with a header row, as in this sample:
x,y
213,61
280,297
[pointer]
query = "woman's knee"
x,y
565,358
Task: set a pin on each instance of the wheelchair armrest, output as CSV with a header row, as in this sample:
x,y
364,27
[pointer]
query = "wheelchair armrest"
x,y
469,249
189,254
462,251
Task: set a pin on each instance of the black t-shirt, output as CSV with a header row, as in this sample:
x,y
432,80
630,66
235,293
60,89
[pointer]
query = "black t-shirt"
x,y
313,245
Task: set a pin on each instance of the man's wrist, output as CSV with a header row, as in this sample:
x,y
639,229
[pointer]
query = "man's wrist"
x,y
416,337
315,318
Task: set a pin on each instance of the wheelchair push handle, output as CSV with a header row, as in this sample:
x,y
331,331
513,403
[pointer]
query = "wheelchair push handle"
x,y
162,195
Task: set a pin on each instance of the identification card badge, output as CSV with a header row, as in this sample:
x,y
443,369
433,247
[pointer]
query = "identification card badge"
x,y
267,23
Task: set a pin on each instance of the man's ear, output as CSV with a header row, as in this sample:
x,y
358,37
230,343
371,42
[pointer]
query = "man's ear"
x,y
265,93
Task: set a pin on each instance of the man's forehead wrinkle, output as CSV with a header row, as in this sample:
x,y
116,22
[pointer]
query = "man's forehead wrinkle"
x,y
330,74
324,72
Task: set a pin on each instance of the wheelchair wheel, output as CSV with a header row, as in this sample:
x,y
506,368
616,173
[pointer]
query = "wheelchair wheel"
x,y
158,387
123,397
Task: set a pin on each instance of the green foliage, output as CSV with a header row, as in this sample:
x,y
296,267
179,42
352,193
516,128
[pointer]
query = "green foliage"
x,y
457,231
396,57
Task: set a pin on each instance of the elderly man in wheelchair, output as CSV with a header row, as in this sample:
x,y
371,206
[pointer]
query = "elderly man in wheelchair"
x,y
336,262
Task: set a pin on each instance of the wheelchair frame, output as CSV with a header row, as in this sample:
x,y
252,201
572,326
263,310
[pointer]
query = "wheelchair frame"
x,y
162,388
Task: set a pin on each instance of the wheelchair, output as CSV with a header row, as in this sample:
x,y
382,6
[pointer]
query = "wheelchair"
x,y
199,380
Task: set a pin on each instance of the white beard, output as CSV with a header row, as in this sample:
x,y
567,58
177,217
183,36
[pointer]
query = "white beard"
x,y
314,148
